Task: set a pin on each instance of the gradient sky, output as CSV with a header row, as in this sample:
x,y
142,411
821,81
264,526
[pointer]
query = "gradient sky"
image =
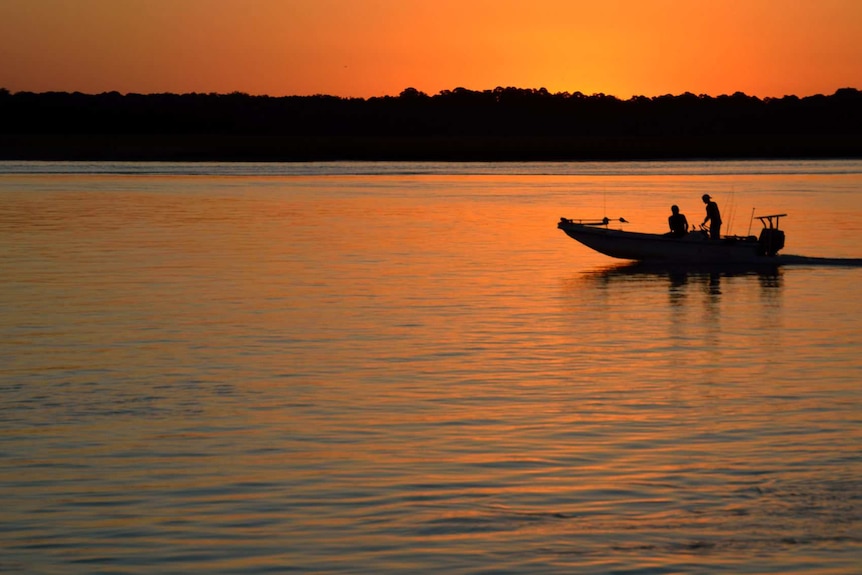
x,y
363,48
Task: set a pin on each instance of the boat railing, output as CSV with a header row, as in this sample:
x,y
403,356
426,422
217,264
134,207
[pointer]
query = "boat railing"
x,y
595,222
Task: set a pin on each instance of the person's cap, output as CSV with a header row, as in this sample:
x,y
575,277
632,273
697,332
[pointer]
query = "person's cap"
x,y
705,197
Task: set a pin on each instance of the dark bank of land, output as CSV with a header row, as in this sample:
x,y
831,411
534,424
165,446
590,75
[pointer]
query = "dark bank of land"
x,y
501,124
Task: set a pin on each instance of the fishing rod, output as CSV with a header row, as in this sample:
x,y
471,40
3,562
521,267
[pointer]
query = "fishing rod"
x,y
731,212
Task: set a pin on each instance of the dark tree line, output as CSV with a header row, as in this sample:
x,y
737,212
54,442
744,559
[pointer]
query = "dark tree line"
x,y
459,124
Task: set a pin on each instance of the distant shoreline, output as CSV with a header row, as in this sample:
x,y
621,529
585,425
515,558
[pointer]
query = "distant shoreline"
x,y
505,124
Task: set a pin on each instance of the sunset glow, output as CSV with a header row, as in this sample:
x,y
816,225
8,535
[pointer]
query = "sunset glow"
x,y
364,48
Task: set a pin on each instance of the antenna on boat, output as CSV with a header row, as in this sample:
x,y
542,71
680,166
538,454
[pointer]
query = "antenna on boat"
x,y
751,221
604,202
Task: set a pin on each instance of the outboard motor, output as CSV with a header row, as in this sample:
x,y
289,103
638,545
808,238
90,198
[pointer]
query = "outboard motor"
x,y
771,238
770,241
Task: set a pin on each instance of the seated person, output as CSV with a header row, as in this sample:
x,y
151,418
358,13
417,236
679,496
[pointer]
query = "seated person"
x,y
677,223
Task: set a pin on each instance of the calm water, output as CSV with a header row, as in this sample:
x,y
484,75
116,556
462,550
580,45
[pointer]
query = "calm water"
x,y
398,368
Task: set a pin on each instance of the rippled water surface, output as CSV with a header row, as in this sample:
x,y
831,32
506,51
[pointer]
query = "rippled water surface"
x,y
396,368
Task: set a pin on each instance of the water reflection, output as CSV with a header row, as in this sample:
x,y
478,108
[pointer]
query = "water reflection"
x,y
680,278
664,301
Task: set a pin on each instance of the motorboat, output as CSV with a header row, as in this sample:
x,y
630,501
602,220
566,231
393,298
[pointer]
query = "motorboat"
x,y
694,247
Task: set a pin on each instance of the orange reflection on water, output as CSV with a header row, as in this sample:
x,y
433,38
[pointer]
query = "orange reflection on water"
x,y
285,371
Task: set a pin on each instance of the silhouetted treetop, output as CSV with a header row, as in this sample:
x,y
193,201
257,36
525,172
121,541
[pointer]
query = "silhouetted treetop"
x,y
521,122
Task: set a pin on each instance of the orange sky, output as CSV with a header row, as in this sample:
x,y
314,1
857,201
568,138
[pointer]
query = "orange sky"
x,y
366,48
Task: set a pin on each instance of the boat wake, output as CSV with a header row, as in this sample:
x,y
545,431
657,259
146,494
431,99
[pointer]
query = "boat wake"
x,y
793,260
767,268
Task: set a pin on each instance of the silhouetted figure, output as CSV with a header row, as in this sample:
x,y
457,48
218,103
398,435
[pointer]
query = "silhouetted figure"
x,y
677,223
713,216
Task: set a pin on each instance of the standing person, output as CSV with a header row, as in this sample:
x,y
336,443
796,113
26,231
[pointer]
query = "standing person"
x,y
713,217
677,223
